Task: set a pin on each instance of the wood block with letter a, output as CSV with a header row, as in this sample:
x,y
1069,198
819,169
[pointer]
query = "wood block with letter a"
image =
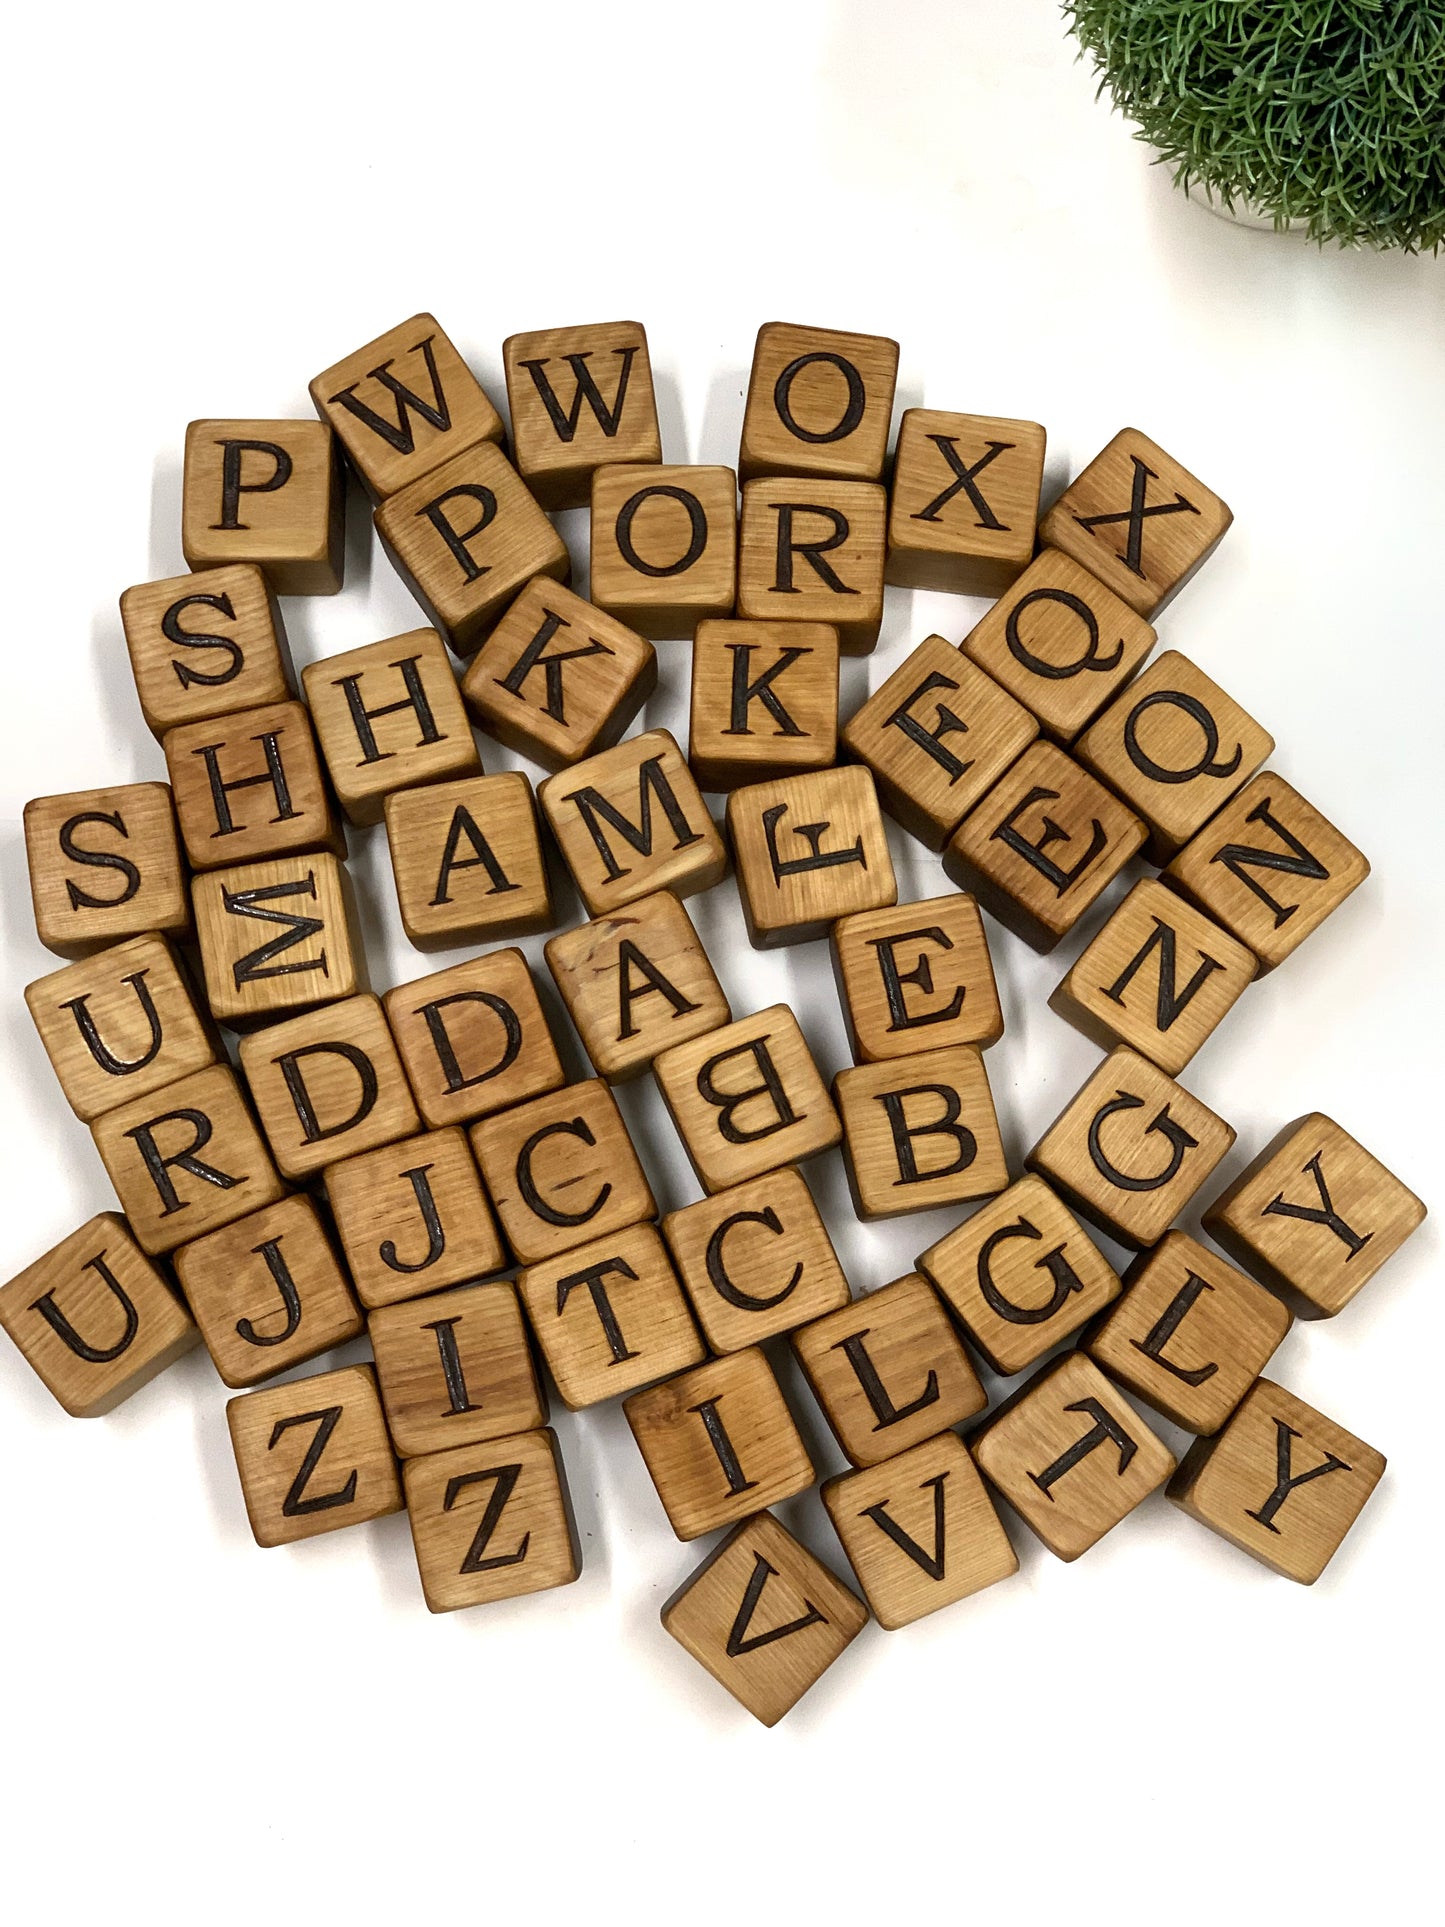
x,y
474,1039
916,977
819,403
920,1132
581,399
313,1455
270,493
764,1617
413,1217
455,1368
491,1521
105,865
812,551
964,506
95,1318
202,645
276,937
764,701
467,861
249,785
664,546
809,849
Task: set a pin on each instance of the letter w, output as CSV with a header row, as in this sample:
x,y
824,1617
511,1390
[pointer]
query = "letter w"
x,y
401,436
296,928
585,389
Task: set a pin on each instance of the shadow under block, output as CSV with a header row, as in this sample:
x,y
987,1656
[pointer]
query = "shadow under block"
x,y
820,402
474,1039
920,1132
1071,1455
1315,1216
313,1455
1190,1335
105,865
1159,976
964,501
920,1530
581,399
95,1318
889,1371
719,1442
635,983
664,551
764,701
1043,845
808,850
1020,1276
249,785
202,645
1137,520
1269,867
266,492
465,537
1281,1481
812,551
276,937
916,977
403,404
937,735
631,820
1131,1149
455,1369
747,1098
491,1521
610,1316
268,1292
764,1617
467,861
413,1218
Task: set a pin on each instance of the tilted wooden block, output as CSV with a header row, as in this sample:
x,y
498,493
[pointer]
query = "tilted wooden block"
x,y
95,1318
964,503
581,398
455,1369
920,1132
1137,520
313,1455
664,546
812,551
268,1292
467,861
1071,1455
635,983
413,1218
491,1521
808,850
202,645
916,977
1131,1149
277,936
889,1371
764,701
249,785
105,865
819,403
474,1039
1315,1216
267,492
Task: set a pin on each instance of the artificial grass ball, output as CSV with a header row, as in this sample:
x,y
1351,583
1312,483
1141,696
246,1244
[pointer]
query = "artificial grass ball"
x,y
1330,112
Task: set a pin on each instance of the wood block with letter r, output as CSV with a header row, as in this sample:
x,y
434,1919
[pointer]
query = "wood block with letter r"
x,y
455,1368
474,1039
812,551
271,493
249,785
413,1218
276,937
105,865
809,850
313,1455
920,1132
202,645
467,860
491,1521
764,701
820,402
664,546
964,505
581,399
916,977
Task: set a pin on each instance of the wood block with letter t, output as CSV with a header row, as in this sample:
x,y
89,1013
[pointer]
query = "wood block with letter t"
x,y
249,785
467,861
271,493
313,1455
455,1368
820,402
664,546
964,504
413,1218
809,850
491,1521
581,399
202,645
105,865
916,977
764,701
276,937
474,1039
812,551
920,1132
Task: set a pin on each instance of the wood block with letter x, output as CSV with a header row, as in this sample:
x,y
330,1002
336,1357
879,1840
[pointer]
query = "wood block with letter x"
x,y
916,977
812,551
581,399
474,1039
201,645
455,1368
276,937
920,1132
964,506
313,1455
664,546
413,1218
271,493
467,861
249,785
105,865
819,403
809,849
764,701
491,1521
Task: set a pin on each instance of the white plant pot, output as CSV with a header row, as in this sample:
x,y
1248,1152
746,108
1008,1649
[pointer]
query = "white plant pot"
x,y
1241,214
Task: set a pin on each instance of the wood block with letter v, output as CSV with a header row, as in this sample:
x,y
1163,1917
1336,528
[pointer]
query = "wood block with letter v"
x,y
202,645
413,1218
764,701
809,849
581,399
491,1521
455,1368
474,1039
105,865
313,1455
271,493
916,977
276,937
812,551
964,504
664,546
919,1132
249,785
820,402
467,861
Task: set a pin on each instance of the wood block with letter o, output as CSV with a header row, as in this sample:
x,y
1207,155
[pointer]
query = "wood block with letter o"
x,y
276,937
467,861
964,505
491,1521
455,1368
105,865
809,849
581,399
313,1455
920,1132
202,645
249,785
413,1218
271,493
764,701
474,1039
664,546
820,402
812,551
916,977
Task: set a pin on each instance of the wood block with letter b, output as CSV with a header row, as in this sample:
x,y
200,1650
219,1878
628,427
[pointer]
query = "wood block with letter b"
x,y
581,399
413,1218
202,645
809,849
313,1455
920,1132
271,493
249,785
812,551
916,977
964,505
474,1039
664,546
467,861
764,701
276,937
105,865
491,1521
820,402
455,1368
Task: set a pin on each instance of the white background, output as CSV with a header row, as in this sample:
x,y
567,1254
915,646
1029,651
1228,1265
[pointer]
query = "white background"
x,y
208,205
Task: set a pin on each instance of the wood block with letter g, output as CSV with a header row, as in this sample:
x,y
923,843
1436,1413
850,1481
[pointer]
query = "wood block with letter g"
x,y
964,504
467,861
819,403
812,551
474,1039
105,865
916,977
313,1455
920,1132
413,1218
764,701
581,399
809,849
491,1521
455,1368
664,546
271,493
249,785
202,645
276,937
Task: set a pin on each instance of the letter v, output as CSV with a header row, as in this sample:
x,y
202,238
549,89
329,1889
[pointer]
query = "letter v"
x,y
739,1641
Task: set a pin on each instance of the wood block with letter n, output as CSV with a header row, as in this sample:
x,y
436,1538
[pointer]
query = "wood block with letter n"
x,y
404,404
276,937
1043,845
313,1455
920,1530
764,701
1131,1149
456,1368
809,849
964,506
467,861
812,551
1159,976
413,1217
271,493
719,1442
474,1038
916,977
202,645
268,1292
664,546
747,1098
95,1318
635,983
764,1617
105,865
819,403
889,1371
1137,520
491,1521
1269,868
920,1132
1315,1216
581,399
249,785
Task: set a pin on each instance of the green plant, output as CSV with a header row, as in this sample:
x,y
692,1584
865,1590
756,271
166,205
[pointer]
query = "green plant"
x,y
1327,111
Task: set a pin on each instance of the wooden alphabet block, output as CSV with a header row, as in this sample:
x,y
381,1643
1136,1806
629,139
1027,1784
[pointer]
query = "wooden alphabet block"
x,y
313,1455
249,785
1269,868
813,551
1138,521
95,1318
105,865
764,1617
581,399
916,977
474,1039
809,849
764,701
1281,1481
413,1218
964,505
919,1132
271,493
664,546
819,403
1315,1216
1131,1149
467,861
889,1371
920,1530
747,1098
635,983
937,735
491,1521
268,1292
202,645
455,1369
1043,845
719,1442
276,937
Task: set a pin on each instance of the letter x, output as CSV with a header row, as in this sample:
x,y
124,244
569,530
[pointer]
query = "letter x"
x,y
1136,512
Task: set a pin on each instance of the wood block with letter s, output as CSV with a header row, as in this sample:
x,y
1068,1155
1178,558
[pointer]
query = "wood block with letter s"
x,y
764,701
809,850
820,402
467,861
249,785
105,865
455,1368
313,1455
581,399
812,551
964,505
270,493
916,977
413,1218
202,645
276,937
664,546
491,1521
474,1039
920,1132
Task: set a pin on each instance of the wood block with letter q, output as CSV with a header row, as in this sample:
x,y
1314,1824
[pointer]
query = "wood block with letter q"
x,y
764,701
105,865
202,645
581,399
249,785
271,493
313,1455
276,937
491,1521
809,850
413,1218
920,1132
467,861
820,402
812,551
474,1039
916,977
455,1368
964,506
664,546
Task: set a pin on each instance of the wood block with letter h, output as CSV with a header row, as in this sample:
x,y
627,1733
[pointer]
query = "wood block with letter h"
x,y
276,937
916,977
455,1369
812,551
920,1132
820,402
964,505
413,1218
249,785
664,546
270,493
764,701
474,1039
313,1455
491,1521
809,850
105,865
467,860
202,645
581,398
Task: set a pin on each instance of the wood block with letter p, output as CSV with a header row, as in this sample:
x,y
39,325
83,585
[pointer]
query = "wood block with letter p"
x,y
413,1218
276,937
812,551
105,865
202,645
964,505
467,860
664,546
455,1368
920,1132
764,701
313,1455
474,1039
491,1521
581,399
249,785
271,493
916,977
820,402
809,850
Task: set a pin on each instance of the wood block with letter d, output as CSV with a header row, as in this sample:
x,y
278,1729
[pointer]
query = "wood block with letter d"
x,y
819,403
764,701
105,865
455,1368
467,861
812,551
271,493
916,977
313,1455
491,1521
809,849
664,546
201,645
581,398
474,1039
964,504
276,937
920,1132
413,1218
249,785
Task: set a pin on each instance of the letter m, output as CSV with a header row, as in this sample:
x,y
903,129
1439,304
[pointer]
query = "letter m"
x,y
599,815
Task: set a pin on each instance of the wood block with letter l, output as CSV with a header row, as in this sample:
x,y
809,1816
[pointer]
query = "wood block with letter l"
x,y
820,402
664,546
474,1039
1138,521
313,1455
937,735
889,1371
1131,1149
249,785
581,399
413,1218
747,1098
916,977
809,849
105,865
202,645
812,551
455,1368
270,493
467,861
764,1617
920,1132
1315,1216
1043,845
964,505
491,1521
95,1318
764,701
276,937
268,1292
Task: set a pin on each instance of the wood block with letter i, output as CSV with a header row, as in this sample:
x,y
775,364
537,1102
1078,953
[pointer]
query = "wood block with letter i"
x,y
467,860
916,977
581,399
664,546
313,1455
202,645
764,701
474,1039
455,1368
271,493
809,850
249,785
812,551
920,1132
491,1521
964,504
105,865
413,1218
819,403
276,937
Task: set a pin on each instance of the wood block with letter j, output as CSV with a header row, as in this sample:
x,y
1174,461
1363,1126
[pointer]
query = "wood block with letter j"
x,y
271,493
491,1521
313,1455
581,398
920,1132
467,860
413,1218
105,865
916,977
202,645
809,850
964,505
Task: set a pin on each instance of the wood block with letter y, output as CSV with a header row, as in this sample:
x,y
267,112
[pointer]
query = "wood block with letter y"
x,y
455,1368
581,399
413,1218
313,1455
474,1039
271,493
964,504
202,645
467,861
764,701
276,937
820,402
916,977
812,551
809,850
491,1521
920,1132
249,785
105,865
664,546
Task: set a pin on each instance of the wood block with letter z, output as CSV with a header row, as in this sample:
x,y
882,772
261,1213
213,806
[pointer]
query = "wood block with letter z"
x,y
916,977
764,701
467,861
313,1455
474,1039
819,403
105,865
249,785
276,937
491,1521
809,849
812,551
581,398
455,1368
920,1132
202,645
271,493
664,546
964,506
413,1218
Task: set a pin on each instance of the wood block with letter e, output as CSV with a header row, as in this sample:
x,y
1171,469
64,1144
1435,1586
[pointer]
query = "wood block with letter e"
x,y
491,1521
455,1368
920,1132
581,399
820,402
664,546
916,977
467,861
313,1455
809,849
812,551
105,865
474,1038
249,785
964,505
271,493
275,937
413,1218
202,645
764,701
